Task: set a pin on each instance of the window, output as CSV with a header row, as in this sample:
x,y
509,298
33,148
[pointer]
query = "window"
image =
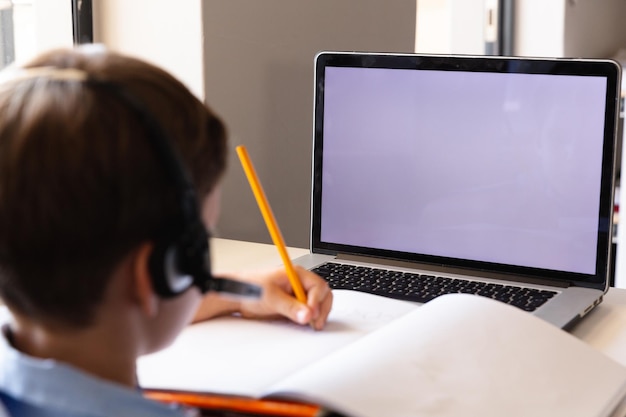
x,y
28,27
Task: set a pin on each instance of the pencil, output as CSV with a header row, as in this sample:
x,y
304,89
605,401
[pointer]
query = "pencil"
x,y
233,404
270,222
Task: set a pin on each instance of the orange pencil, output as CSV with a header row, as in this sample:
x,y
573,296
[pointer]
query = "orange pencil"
x,y
237,404
270,221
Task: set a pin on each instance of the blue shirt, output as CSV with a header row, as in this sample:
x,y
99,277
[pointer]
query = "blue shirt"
x,y
63,390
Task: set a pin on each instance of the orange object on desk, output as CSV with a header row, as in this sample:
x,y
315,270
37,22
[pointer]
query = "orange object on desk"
x,y
237,404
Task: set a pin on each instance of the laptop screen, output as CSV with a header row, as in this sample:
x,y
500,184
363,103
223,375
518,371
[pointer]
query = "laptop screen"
x,y
491,163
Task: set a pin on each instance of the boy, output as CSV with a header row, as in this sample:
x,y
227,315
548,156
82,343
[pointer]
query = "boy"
x,y
101,243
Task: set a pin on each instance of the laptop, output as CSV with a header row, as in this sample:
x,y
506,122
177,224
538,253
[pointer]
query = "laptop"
x,y
434,174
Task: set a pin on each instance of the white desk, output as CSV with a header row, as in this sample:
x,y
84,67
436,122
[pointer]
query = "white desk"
x,y
604,328
232,255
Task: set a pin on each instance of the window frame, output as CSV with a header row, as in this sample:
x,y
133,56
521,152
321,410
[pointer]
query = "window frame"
x,y
82,21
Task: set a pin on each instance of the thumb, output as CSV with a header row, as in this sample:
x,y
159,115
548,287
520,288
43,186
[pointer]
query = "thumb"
x,y
286,305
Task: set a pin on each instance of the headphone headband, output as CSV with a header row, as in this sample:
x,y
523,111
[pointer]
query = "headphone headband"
x,y
180,260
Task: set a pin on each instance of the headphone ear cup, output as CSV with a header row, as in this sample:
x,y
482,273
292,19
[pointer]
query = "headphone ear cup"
x,y
167,279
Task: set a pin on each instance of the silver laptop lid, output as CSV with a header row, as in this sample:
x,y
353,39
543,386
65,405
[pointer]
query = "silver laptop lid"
x,y
484,163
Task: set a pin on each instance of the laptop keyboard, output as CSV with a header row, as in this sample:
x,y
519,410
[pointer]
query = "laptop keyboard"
x,y
423,288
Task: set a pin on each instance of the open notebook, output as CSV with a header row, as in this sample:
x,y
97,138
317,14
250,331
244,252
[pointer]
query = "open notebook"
x,y
458,355
485,175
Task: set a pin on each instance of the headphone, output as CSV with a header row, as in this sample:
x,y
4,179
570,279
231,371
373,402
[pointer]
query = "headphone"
x,y
181,258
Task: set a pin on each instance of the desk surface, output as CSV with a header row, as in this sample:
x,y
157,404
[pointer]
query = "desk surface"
x,y
604,328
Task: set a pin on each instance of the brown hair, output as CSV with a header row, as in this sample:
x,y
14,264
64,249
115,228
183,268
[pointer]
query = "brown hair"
x,y
80,182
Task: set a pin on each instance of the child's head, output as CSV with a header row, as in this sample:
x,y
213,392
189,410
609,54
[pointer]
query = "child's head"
x,y
81,185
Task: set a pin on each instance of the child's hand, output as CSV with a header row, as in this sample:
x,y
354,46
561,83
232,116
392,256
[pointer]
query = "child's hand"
x,y
278,298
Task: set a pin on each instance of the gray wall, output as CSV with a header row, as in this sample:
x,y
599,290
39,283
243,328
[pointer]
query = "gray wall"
x,y
259,78
594,28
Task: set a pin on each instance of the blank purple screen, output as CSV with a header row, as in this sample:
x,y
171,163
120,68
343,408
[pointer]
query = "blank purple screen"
x,y
491,167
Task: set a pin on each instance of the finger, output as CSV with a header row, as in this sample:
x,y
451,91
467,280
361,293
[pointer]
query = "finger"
x,y
316,295
286,305
320,321
319,297
315,286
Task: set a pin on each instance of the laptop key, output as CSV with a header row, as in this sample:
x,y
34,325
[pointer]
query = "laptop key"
x,y
423,288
